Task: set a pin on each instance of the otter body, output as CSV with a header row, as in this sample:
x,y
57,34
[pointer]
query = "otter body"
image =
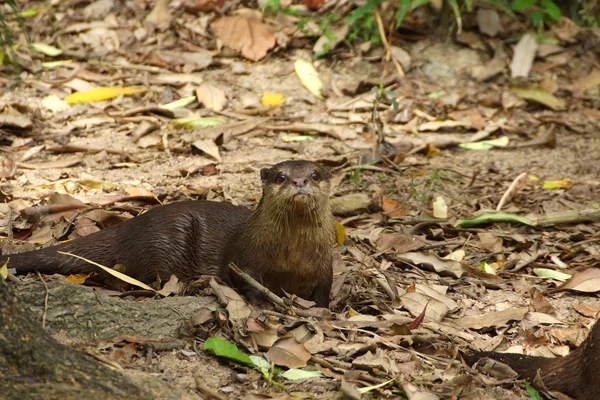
x,y
577,374
286,243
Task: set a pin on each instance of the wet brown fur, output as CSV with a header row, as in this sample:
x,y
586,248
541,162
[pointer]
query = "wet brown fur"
x,y
285,244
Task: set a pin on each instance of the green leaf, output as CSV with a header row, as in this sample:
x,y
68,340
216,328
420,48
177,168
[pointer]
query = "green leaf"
x,y
435,95
552,9
295,373
499,4
403,7
31,12
224,349
491,217
537,18
520,5
533,394
550,273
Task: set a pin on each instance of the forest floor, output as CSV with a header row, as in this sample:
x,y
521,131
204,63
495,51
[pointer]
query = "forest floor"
x,y
124,154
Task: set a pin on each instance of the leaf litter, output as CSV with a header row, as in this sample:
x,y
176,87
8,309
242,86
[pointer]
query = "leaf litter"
x,y
402,306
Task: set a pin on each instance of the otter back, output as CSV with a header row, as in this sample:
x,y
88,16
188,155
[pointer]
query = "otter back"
x,y
185,239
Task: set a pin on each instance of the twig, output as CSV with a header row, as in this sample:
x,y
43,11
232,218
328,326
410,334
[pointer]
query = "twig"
x,y
45,301
315,312
514,187
206,391
569,217
388,50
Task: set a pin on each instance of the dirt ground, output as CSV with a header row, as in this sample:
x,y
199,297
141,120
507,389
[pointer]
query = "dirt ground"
x,y
123,154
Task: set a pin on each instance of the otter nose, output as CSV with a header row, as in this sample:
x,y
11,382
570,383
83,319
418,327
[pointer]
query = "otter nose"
x,y
299,182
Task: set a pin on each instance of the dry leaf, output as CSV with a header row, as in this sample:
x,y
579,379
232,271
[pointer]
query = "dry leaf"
x,y
539,95
523,56
159,18
309,77
393,208
209,147
584,280
245,33
211,96
493,319
433,262
288,353
99,94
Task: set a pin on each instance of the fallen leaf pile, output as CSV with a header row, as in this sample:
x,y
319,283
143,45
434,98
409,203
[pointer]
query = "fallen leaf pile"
x,y
465,182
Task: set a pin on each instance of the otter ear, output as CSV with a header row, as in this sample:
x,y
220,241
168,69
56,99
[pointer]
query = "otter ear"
x,y
265,174
326,172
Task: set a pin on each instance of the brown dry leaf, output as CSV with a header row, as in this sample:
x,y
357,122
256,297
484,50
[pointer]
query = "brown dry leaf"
x,y
350,203
488,21
171,287
437,292
209,147
159,18
539,95
328,42
137,191
523,56
584,280
237,307
78,279
7,166
211,96
492,319
245,33
341,132
471,116
490,242
582,85
288,353
265,339
17,121
415,392
60,163
437,125
195,60
433,263
379,360
587,310
398,242
415,303
393,208
485,72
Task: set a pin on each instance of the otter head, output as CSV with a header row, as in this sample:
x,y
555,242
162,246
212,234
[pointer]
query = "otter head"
x,y
301,185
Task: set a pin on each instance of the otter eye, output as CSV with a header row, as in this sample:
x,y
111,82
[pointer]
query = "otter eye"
x,y
280,178
315,176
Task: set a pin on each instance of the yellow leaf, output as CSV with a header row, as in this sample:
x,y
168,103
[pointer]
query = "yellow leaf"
x,y
78,279
113,272
99,94
309,77
46,49
272,99
4,270
562,184
183,102
340,232
56,64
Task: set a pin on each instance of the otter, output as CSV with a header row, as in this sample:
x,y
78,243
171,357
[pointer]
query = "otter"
x,y
576,374
286,244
